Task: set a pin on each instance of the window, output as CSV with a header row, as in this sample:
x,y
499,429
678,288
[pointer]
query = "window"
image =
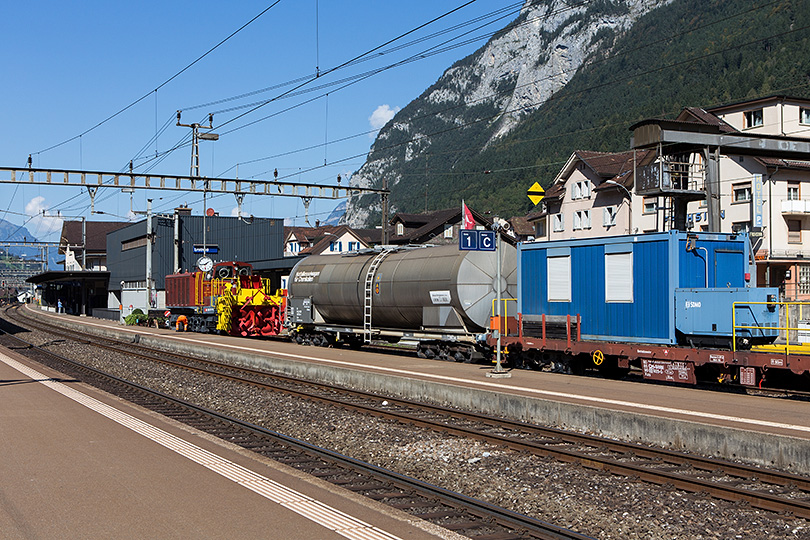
x,y
741,193
804,279
558,222
585,189
740,227
400,229
448,231
354,246
793,191
619,277
609,216
134,243
558,277
581,190
582,220
336,246
540,227
804,115
650,205
794,231
752,118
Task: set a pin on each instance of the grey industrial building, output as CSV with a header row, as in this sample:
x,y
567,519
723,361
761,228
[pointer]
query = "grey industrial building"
x,y
177,242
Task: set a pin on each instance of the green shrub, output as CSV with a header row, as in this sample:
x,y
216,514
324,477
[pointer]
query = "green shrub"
x,y
136,317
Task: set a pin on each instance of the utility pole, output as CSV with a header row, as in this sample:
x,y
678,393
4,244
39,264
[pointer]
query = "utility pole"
x,y
384,203
195,161
148,254
84,243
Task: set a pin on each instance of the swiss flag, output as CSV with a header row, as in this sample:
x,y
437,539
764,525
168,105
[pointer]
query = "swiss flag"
x,y
467,220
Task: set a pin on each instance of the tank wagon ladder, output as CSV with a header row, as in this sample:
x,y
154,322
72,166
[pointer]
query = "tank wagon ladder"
x,y
372,269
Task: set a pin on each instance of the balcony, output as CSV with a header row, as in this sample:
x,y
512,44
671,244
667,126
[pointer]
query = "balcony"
x,y
795,208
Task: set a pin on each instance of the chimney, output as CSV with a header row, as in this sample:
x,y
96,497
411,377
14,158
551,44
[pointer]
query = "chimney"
x,y
183,211
317,223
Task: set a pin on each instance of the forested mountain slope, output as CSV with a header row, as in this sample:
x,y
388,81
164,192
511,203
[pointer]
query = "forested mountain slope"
x,y
562,78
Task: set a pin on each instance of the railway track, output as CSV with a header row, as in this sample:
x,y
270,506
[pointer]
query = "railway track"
x,y
761,488
453,511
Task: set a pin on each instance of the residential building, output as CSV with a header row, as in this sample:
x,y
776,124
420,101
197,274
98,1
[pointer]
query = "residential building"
x,y
84,244
659,186
439,227
325,240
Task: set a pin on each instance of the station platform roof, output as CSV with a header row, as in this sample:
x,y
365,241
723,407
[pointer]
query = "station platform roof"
x,y
56,276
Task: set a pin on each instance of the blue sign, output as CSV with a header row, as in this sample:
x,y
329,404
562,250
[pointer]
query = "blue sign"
x,y
209,250
472,240
486,240
757,202
468,240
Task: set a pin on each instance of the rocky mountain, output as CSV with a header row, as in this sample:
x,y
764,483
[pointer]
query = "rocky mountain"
x,y
10,232
566,76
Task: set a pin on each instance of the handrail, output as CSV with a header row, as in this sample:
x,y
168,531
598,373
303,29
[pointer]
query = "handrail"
x,y
735,326
501,327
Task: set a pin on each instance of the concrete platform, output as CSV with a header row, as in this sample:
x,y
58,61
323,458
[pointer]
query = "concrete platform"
x,y
78,463
757,430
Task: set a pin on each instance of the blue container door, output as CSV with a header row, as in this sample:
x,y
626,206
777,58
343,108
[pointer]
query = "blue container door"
x,y
729,269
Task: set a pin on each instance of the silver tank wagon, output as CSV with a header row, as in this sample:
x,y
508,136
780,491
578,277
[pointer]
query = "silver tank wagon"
x,y
440,288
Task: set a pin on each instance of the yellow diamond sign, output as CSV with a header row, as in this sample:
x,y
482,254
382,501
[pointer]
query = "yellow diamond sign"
x,y
536,193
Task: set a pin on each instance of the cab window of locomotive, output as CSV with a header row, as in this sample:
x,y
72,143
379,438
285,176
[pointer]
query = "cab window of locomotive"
x,y
559,278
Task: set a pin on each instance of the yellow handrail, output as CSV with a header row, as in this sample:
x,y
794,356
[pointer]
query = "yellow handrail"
x,y
734,325
505,311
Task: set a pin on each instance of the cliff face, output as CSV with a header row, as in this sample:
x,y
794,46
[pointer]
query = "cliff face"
x,y
485,96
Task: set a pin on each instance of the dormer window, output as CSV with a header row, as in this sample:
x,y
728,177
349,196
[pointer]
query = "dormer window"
x,y
400,229
752,118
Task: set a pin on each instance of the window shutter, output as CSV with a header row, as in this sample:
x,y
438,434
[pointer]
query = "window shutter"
x,y
619,277
559,278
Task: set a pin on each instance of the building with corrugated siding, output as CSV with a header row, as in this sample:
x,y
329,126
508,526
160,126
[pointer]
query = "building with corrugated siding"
x,y
258,241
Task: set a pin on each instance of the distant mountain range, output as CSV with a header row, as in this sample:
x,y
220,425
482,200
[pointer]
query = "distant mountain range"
x,y
9,232
568,76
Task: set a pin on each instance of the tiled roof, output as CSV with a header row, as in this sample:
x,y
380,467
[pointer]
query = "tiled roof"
x,y
430,223
96,234
701,116
521,225
785,163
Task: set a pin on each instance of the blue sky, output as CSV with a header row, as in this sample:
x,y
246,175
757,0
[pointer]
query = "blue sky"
x,y
68,66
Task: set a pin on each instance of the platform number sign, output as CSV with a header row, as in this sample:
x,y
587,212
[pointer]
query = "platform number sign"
x,y
472,240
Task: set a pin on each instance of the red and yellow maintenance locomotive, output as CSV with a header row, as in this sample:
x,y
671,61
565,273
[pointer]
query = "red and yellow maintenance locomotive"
x,y
228,299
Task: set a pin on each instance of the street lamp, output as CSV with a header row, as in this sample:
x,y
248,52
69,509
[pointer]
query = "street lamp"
x,y
629,204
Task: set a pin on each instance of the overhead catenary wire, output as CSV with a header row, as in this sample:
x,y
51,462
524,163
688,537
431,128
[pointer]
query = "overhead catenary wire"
x,y
642,73
492,95
161,85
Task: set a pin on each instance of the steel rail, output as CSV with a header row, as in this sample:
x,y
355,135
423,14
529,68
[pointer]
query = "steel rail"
x,y
522,525
552,445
